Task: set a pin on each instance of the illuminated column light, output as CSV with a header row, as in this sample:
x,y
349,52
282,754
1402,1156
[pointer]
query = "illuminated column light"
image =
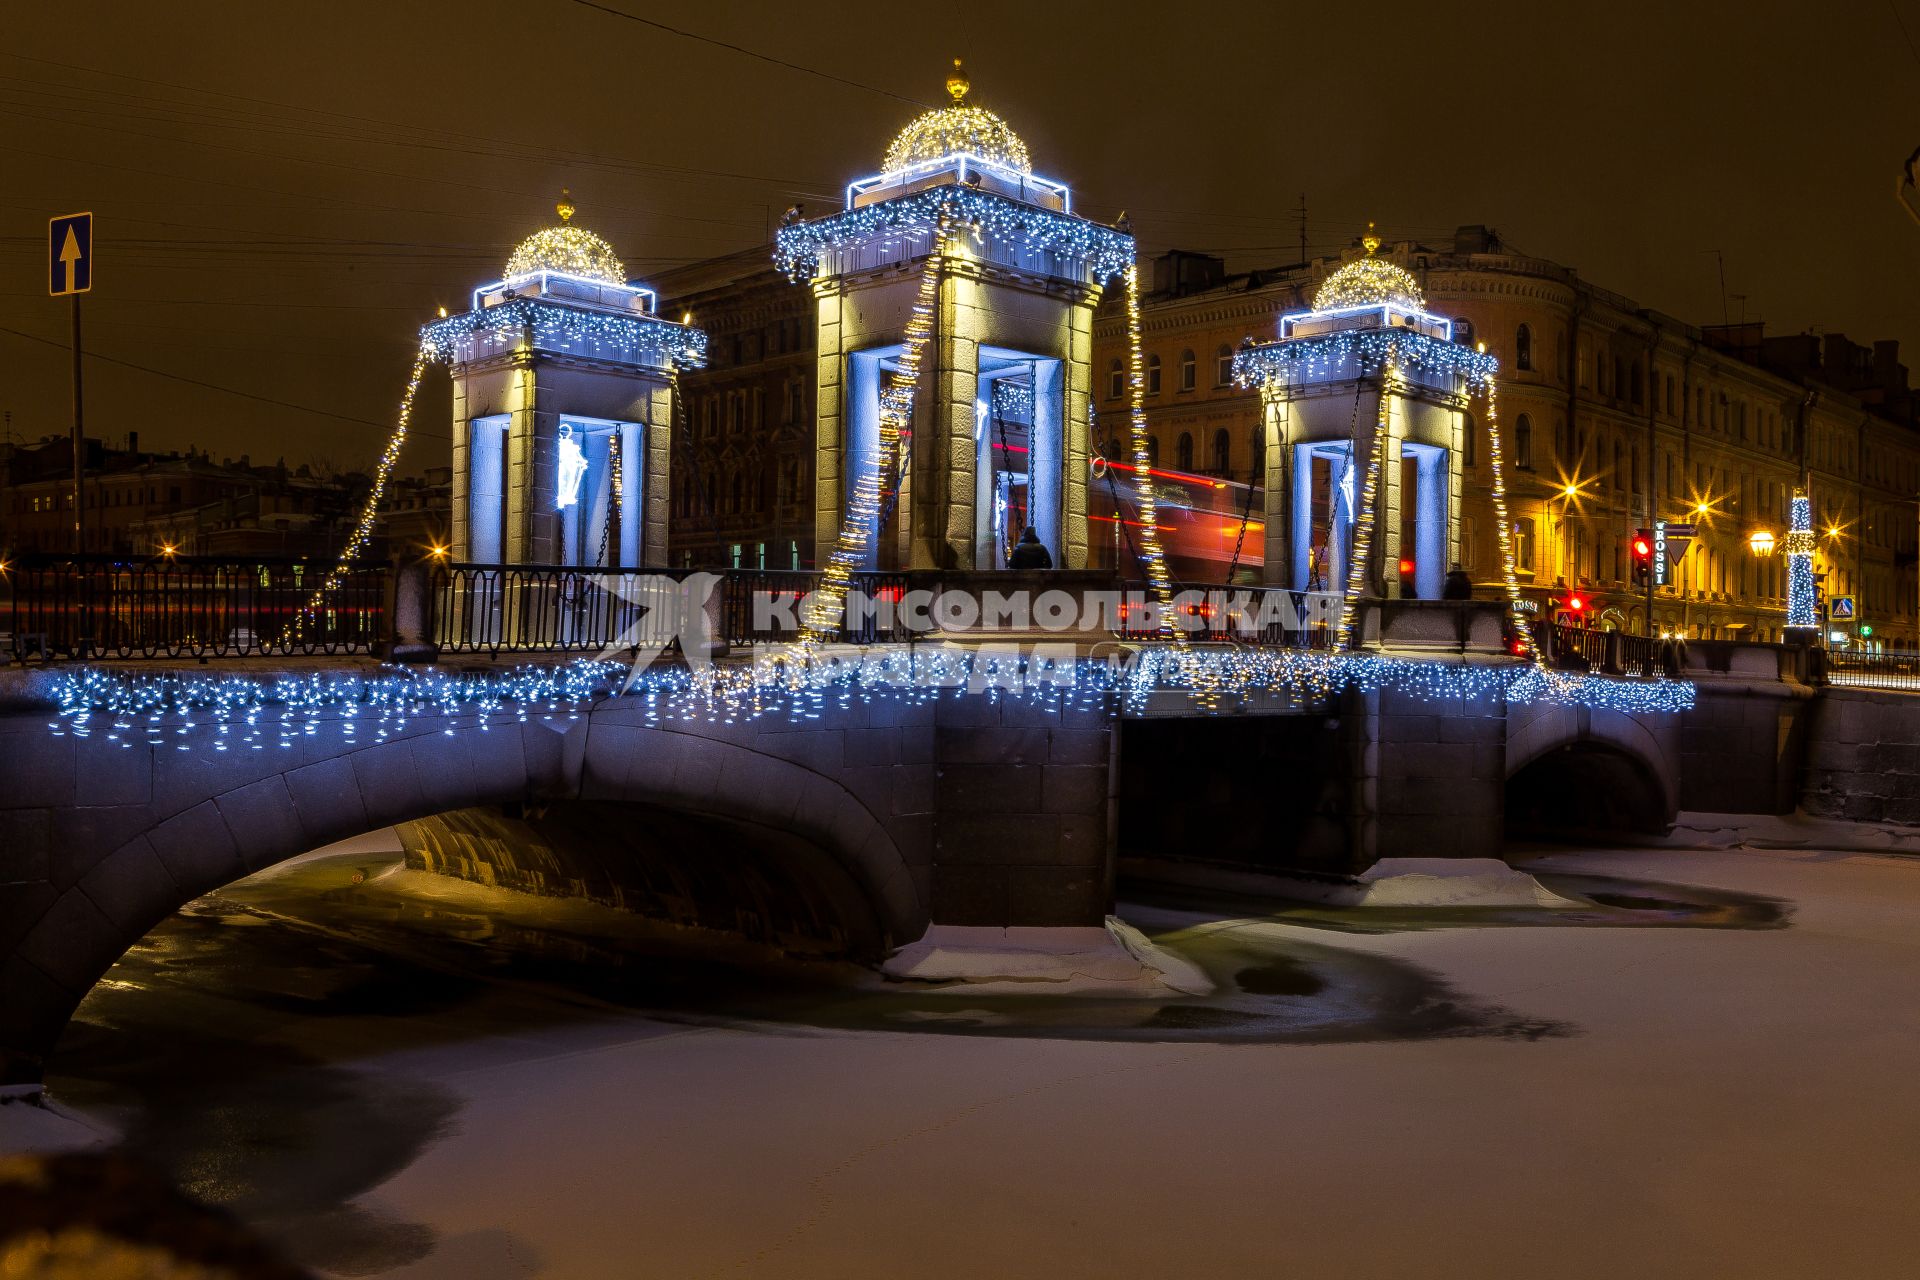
x,y
1799,544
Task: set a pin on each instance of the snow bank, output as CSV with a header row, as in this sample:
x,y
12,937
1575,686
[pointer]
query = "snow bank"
x,y
1116,959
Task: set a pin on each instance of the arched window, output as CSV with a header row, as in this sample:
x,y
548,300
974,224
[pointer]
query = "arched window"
x,y
1523,442
1188,370
1153,375
1224,358
1523,348
1257,472
1633,382
1116,381
1222,451
1184,452
735,484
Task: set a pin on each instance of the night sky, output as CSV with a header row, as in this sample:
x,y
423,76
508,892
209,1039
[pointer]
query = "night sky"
x,y
284,193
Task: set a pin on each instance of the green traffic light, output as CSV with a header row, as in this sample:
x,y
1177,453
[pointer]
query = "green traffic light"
x,y
1866,631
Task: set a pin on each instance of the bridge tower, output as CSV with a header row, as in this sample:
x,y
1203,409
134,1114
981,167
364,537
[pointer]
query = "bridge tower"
x,y
1365,401
998,433
563,381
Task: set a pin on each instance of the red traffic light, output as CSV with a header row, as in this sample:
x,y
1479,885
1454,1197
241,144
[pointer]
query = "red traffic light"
x,y
1642,549
1406,568
1575,603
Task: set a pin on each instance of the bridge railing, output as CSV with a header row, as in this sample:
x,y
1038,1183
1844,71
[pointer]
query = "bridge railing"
x,y
1614,653
1274,617
1887,670
497,608
104,606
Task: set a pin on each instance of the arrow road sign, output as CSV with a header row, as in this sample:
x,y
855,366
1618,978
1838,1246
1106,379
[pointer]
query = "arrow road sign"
x,y
70,254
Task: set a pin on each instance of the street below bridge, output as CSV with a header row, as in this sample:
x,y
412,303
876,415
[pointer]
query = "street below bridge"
x,y
391,1073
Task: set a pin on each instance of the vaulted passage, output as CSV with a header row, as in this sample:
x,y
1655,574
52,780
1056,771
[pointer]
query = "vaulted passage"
x,y
766,884
1584,788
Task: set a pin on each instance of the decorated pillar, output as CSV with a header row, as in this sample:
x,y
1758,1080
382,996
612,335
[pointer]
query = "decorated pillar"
x,y
562,401
955,297
1365,398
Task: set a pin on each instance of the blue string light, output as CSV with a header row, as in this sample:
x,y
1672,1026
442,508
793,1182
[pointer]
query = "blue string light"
x,y
1105,252
256,712
633,339
1295,360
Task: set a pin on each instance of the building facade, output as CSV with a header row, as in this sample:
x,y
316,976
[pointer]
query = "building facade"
x,y
742,480
1613,416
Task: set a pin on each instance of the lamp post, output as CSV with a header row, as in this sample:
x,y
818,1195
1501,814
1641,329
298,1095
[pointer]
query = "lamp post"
x,y
1760,542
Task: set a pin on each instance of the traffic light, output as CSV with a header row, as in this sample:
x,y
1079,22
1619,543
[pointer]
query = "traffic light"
x,y
1641,546
1577,606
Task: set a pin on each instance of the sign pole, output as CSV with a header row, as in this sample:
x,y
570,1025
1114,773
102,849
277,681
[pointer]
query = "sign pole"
x,y
1650,632
79,443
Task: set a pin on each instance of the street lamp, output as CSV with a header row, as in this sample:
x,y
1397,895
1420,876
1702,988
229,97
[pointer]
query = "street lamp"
x,y
1760,542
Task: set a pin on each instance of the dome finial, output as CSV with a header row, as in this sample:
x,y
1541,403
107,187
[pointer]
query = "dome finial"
x,y
957,82
565,207
1370,240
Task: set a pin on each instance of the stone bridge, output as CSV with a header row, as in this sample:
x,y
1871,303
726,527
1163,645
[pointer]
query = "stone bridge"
x,y
853,830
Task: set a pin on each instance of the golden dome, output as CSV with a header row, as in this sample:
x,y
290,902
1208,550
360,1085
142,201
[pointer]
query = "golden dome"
x,y
568,250
1369,281
958,128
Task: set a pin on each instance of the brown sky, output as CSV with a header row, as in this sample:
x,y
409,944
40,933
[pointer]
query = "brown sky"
x,y
285,192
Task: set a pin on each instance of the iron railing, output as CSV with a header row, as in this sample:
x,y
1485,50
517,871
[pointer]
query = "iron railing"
x,y
1613,653
494,608
1893,669
103,606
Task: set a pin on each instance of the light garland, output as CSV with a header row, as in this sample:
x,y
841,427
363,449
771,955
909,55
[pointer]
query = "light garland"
x,y
569,250
958,130
1146,502
827,606
262,712
1366,281
1361,550
630,338
1309,359
1799,545
1105,252
1497,458
363,526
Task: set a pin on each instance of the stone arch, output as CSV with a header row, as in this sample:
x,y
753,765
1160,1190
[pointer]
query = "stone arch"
x,y
1587,754
195,835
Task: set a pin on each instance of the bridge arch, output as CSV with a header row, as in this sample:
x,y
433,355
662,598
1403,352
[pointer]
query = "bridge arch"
x,y
1588,769
209,819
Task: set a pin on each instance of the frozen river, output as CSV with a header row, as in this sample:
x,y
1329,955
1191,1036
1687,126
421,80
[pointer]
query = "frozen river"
x,y
1711,1070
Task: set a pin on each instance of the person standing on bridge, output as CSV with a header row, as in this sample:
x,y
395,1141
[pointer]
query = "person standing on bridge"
x,y
1030,552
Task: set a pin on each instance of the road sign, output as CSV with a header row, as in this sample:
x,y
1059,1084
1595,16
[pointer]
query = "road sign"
x,y
1670,543
1841,609
70,254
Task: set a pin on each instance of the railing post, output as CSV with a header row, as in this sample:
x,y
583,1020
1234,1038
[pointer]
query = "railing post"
x,y
409,613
